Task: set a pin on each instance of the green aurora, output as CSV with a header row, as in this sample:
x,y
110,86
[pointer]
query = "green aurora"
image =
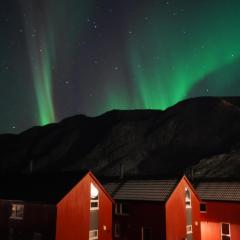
x,y
182,50
44,29
89,57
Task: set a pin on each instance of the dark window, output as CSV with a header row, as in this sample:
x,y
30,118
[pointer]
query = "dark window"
x,y
226,238
118,208
37,236
117,230
94,204
203,207
146,233
225,230
11,234
125,208
121,209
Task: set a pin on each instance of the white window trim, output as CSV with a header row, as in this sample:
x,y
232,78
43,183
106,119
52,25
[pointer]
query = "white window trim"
x,y
95,237
226,235
189,229
120,209
93,201
188,200
95,198
16,217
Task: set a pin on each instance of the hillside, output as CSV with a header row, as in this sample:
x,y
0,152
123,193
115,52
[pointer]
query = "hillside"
x,y
202,134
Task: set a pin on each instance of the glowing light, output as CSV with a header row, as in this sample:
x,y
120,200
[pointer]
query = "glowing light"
x,y
94,191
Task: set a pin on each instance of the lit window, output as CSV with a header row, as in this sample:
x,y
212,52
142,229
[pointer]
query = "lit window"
x,y
203,207
225,231
117,230
187,198
189,229
94,202
93,234
121,209
17,211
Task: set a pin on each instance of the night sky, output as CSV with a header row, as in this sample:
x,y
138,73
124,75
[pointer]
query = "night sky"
x,y
60,58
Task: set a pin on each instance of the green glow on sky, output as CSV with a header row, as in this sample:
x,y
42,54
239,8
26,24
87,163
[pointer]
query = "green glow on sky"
x,y
180,51
42,76
42,60
51,37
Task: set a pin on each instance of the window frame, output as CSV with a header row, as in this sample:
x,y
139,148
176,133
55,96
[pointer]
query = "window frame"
x,y
93,237
189,229
94,199
201,204
15,213
119,206
188,199
223,234
142,232
117,230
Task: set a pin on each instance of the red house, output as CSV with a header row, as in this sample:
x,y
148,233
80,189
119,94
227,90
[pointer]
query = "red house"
x,y
56,206
155,209
85,212
220,210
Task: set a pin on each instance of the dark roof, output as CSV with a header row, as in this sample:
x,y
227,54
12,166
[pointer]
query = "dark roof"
x,y
219,190
141,190
42,188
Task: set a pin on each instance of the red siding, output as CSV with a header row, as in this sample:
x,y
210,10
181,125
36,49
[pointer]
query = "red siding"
x,y
74,209
218,212
105,217
176,213
142,214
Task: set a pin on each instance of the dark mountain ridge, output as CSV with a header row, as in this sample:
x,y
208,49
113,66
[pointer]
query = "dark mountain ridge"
x,y
199,135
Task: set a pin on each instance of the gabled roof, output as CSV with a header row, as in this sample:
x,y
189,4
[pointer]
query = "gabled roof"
x,y
192,187
141,190
101,187
219,190
42,187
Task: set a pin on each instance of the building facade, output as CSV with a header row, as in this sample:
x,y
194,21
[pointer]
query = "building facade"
x,y
85,212
155,209
220,210
49,207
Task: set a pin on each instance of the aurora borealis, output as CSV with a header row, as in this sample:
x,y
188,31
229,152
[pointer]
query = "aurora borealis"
x,y
61,58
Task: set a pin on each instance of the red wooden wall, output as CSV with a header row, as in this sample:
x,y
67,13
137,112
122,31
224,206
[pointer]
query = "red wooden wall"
x,y
141,214
176,213
218,212
105,217
74,209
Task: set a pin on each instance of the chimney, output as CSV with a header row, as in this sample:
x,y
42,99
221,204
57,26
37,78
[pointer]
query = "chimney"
x,y
121,171
31,167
